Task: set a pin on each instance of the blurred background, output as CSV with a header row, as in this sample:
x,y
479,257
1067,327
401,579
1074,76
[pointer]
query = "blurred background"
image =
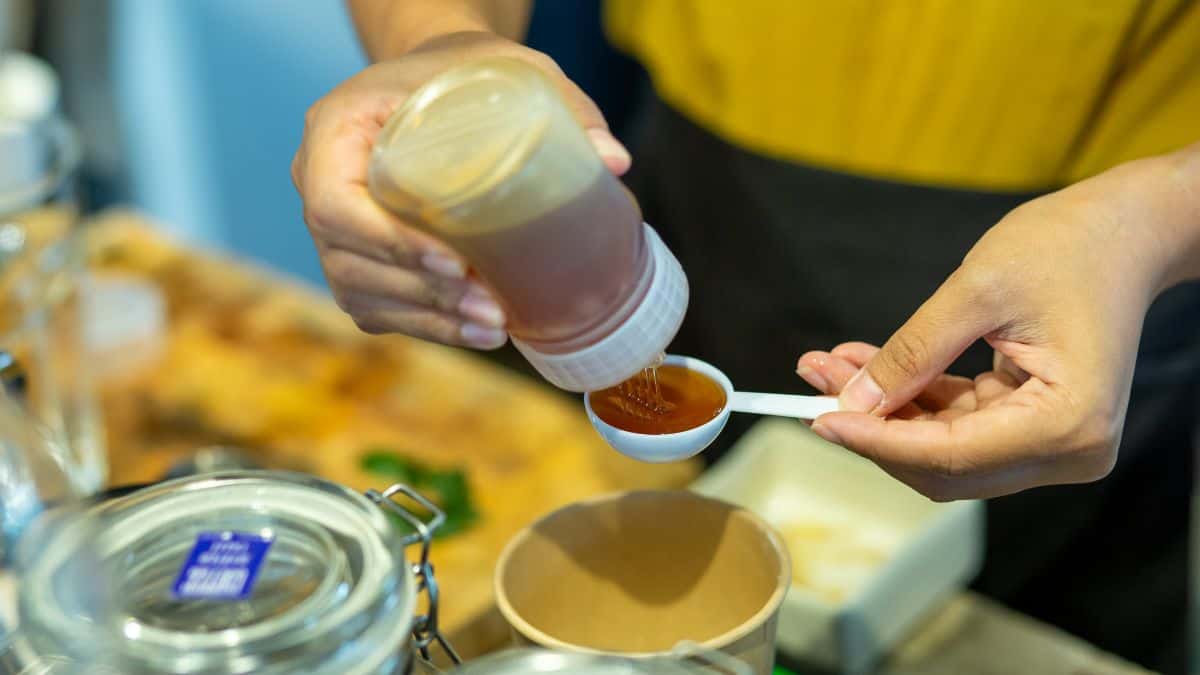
x,y
191,111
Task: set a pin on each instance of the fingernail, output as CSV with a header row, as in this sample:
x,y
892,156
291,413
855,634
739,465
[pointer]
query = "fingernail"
x,y
483,337
813,377
610,150
862,393
444,265
826,433
478,305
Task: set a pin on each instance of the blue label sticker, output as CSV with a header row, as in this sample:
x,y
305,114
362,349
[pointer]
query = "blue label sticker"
x,y
221,566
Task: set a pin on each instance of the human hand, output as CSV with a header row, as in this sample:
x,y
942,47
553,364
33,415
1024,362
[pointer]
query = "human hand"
x,y
1058,288
389,276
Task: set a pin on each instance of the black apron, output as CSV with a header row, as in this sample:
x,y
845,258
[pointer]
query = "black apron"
x,y
784,258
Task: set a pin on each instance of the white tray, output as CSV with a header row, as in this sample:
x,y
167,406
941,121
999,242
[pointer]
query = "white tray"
x,y
783,471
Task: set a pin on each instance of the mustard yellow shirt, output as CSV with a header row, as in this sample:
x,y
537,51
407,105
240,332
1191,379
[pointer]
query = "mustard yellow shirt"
x,y
998,94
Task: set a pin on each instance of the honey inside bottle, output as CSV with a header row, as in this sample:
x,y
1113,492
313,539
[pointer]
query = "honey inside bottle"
x,y
662,400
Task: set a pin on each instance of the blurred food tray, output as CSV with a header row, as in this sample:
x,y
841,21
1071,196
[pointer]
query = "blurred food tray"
x,y
255,361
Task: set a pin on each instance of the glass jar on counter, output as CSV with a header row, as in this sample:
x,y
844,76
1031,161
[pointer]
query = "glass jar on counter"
x,y
229,573
42,268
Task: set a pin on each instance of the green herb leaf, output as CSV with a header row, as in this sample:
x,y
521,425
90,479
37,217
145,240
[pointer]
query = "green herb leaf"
x,y
448,489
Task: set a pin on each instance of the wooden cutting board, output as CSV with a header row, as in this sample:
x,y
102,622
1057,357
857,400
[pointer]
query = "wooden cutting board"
x,y
258,362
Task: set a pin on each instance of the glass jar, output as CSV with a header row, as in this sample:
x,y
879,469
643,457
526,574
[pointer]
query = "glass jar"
x,y
137,584
41,268
32,472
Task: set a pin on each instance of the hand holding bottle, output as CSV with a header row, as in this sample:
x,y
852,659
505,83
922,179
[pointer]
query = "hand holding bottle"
x,y
390,277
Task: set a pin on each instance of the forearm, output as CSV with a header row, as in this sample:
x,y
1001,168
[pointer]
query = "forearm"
x,y
1160,197
390,28
1181,212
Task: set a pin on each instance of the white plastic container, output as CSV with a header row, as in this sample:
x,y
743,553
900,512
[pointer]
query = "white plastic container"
x,y
124,324
792,477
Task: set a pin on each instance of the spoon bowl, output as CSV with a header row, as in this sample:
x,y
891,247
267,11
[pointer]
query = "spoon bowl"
x,y
659,448
672,447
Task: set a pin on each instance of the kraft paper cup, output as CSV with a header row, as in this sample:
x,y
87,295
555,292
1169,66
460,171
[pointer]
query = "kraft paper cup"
x,y
637,573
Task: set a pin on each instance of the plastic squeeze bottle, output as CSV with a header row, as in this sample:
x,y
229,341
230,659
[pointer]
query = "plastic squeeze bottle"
x,y
487,158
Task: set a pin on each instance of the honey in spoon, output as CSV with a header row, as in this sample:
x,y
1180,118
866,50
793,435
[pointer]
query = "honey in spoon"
x,y
662,400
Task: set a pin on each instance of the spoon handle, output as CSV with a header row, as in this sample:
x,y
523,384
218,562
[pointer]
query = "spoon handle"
x,y
783,405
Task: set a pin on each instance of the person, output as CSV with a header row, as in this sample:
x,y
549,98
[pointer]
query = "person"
x,y
828,172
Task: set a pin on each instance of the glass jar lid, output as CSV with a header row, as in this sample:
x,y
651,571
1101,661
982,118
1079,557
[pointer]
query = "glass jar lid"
x,y
263,572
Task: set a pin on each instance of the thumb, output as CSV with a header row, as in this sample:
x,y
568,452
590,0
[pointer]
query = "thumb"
x,y
940,330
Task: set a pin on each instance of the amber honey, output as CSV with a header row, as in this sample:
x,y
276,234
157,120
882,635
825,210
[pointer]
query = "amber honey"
x,y
661,400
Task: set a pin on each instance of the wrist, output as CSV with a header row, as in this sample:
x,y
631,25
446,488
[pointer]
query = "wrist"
x,y
1152,208
459,38
1164,200
405,34
1182,214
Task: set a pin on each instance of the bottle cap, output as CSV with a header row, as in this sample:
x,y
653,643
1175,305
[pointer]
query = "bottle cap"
x,y
29,88
634,344
37,146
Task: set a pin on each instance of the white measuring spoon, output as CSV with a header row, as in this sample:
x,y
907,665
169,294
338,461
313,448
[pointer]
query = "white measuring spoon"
x,y
684,444
782,405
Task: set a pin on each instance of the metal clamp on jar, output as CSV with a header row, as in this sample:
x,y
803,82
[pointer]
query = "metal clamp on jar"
x,y
229,573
